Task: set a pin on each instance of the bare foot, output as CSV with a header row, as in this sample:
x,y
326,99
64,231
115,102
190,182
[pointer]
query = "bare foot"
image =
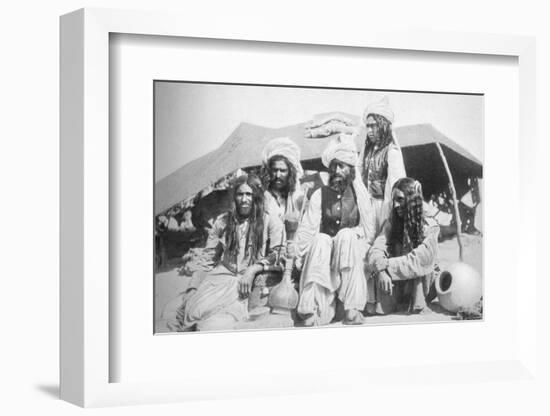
x,y
417,310
309,320
371,309
354,317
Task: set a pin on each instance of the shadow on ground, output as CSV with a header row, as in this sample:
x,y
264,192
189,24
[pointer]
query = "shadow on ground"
x,y
51,390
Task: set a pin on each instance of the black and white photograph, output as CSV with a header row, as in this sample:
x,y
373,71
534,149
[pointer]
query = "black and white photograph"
x,y
295,207
267,208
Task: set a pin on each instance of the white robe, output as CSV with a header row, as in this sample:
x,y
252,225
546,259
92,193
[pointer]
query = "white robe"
x,y
216,303
333,267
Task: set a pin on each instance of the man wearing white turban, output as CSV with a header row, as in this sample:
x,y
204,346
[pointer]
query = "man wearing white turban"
x,y
381,161
281,174
283,198
380,166
331,243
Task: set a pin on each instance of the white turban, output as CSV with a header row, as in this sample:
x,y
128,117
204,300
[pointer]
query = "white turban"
x,y
381,107
283,146
343,148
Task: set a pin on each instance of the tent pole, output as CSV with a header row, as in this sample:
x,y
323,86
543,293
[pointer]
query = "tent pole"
x,y
455,203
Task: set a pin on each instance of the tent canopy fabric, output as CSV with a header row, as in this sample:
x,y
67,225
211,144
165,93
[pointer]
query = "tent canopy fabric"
x,y
243,149
423,161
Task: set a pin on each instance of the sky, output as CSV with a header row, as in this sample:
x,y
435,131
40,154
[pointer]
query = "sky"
x,y
194,119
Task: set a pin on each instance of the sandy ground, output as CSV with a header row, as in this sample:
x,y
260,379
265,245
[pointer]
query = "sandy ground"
x,y
168,285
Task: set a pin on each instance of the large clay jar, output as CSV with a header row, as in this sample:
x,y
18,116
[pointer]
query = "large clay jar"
x,y
283,298
263,283
458,287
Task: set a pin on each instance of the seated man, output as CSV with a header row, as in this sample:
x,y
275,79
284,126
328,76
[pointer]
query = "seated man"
x,y
217,300
281,172
403,257
331,244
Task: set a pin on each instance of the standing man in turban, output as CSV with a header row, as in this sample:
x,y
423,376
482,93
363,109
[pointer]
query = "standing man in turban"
x,y
331,244
380,165
381,161
403,257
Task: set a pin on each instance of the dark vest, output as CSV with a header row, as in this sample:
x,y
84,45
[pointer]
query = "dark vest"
x,y
375,172
338,210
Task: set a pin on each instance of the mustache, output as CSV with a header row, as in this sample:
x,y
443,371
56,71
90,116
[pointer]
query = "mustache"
x,y
340,182
279,183
244,203
339,177
244,210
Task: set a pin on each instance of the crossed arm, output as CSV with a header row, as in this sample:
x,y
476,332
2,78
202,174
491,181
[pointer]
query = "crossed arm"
x,y
419,262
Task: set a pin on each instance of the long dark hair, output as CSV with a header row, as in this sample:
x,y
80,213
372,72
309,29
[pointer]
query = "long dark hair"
x,y
385,130
265,173
254,236
412,223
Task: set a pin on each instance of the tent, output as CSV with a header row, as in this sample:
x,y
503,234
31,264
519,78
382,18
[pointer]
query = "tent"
x,y
423,161
243,149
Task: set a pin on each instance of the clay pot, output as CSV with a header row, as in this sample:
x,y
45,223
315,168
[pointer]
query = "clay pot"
x,y
458,287
263,283
283,298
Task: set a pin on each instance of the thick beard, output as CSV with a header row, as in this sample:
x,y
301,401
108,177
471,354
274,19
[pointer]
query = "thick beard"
x,y
373,139
244,215
398,214
282,190
339,183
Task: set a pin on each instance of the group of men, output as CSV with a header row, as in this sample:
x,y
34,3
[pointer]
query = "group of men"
x,y
363,245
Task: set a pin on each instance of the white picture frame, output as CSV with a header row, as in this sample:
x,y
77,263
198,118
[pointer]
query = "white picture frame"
x,y
85,354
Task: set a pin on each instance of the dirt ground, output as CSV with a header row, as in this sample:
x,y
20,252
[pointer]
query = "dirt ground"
x,y
168,285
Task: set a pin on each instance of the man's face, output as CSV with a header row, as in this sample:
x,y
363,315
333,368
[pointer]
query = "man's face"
x,y
278,173
398,202
339,174
243,200
373,131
